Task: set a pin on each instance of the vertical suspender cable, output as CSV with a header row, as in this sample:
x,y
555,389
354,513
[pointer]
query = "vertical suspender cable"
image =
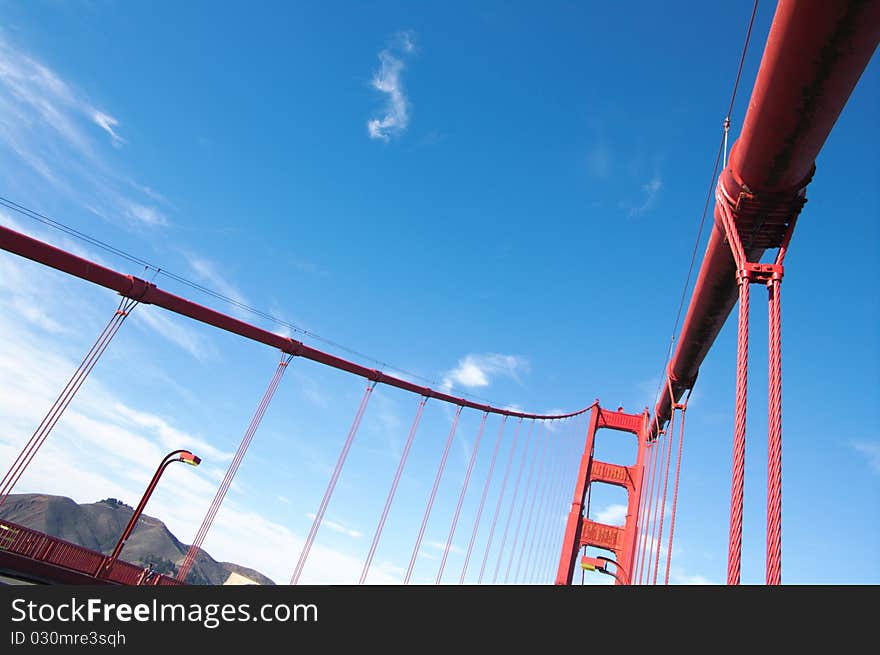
x,y
734,552
464,487
470,549
38,438
655,544
319,516
522,513
675,491
531,511
643,503
774,421
543,510
391,492
513,502
415,553
208,520
646,543
663,501
500,500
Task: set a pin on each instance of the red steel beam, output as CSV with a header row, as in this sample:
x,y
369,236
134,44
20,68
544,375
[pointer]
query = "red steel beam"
x,y
815,53
148,293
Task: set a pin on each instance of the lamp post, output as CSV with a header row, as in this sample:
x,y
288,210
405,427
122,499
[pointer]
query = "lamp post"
x,y
600,563
184,456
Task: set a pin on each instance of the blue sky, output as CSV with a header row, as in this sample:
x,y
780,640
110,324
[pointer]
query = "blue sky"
x,y
503,197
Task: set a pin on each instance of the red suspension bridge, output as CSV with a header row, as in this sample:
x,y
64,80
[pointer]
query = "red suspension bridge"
x,y
812,60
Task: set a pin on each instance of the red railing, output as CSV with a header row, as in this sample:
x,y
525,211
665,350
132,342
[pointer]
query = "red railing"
x,y
41,547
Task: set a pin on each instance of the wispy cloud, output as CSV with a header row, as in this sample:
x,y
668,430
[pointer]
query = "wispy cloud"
x,y
614,514
176,330
599,160
208,272
871,449
387,80
145,214
440,545
336,526
650,192
50,132
478,370
107,123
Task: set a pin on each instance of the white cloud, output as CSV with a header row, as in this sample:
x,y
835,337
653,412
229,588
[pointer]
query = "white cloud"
x,y
475,371
107,123
872,451
441,546
207,271
336,526
147,215
650,191
106,447
614,514
387,81
175,330
47,126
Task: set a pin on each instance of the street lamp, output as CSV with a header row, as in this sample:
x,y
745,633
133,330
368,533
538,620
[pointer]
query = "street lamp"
x,y
600,564
184,456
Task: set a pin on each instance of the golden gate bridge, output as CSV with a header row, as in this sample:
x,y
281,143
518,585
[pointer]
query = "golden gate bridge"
x,y
813,58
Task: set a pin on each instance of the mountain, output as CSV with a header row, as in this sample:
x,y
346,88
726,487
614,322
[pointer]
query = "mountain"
x,y
99,525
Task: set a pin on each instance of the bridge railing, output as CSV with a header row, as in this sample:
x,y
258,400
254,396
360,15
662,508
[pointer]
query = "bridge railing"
x,y
36,545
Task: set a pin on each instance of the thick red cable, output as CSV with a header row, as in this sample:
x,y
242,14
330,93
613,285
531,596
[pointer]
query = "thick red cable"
x,y
430,505
675,493
734,555
319,516
538,478
774,442
523,512
58,407
734,552
500,500
231,470
774,420
470,549
464,488
148,293
393,490
522,465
